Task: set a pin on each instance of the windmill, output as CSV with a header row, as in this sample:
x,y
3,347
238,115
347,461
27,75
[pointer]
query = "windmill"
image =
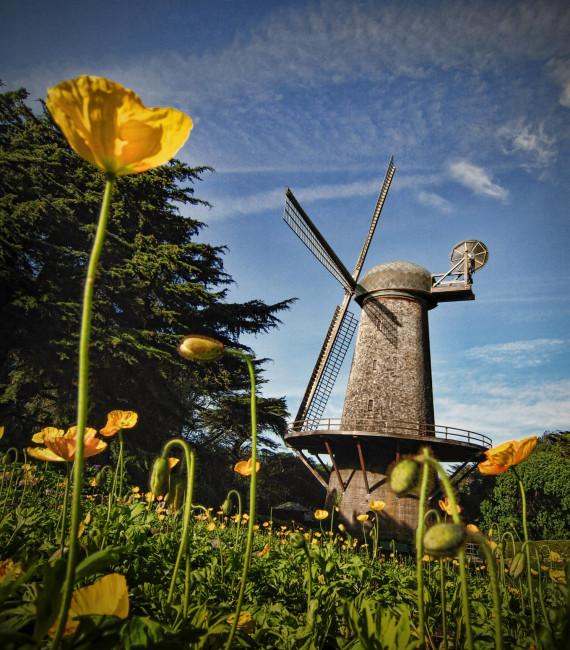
x,y
388,408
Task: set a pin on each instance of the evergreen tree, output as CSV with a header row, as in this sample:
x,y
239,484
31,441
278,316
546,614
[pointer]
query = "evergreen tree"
x,y
156,283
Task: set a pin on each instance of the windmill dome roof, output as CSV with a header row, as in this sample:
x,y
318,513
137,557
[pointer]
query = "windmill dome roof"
x,y
403,276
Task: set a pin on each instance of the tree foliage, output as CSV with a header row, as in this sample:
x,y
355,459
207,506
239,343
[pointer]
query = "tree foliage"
x,y
546,477
156,283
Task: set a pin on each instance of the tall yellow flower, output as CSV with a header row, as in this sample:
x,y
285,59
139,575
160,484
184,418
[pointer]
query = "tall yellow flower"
x,y
446,507
377,505
500,458
321,514
110,127
60,448
245,467
107,596
118,420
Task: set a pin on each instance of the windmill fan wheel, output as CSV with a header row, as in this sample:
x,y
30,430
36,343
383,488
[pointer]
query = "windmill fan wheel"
x,y
476,251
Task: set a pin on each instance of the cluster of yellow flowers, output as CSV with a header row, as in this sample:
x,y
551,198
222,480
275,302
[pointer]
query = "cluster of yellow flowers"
x,y
59,446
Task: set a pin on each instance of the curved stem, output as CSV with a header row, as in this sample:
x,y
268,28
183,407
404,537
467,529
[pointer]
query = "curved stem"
x,y
426,458
82,405
252,491
64,509
527,549
420,552
540,594
497,604
190,468
238,525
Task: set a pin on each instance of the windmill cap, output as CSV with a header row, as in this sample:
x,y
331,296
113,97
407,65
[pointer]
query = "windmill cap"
x,y
397,276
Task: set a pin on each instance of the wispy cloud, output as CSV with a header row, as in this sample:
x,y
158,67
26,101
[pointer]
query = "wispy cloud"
x,y
530,140
559,70
506,412
272,199
477,180
435,201
519,354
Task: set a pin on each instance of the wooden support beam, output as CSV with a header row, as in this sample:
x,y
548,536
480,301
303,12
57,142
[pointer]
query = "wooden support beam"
x,y
313,471
339,477
363,466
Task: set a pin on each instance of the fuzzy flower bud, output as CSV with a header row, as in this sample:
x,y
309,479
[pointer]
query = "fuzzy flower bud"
x,y
159,478
444,540
517,565
404,476
176,493
297,540
200,348
227,507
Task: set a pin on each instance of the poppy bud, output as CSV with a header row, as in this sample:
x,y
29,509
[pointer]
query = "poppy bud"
x,y
227,507
444,540
404,476
160,477
200,348
517,565
297,540
176,493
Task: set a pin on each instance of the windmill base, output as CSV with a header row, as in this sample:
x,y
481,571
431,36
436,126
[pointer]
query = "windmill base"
x,y
398,519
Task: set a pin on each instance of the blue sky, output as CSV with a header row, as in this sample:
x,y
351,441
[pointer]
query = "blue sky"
x,y
471,98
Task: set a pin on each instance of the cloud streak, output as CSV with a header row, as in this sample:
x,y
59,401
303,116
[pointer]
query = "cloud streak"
x,y
519,354
476,179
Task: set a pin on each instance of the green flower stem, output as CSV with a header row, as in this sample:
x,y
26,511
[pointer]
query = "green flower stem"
x,y
497,603
238,524
419,551
82,406
309,581
64,509
506,534
527,549
252,491
190,469
441,585
540,594
428,460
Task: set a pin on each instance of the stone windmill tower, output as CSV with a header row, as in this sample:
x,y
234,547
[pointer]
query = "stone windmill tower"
x,y
388,409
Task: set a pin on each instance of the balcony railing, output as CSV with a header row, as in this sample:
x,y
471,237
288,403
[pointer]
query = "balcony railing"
x,y
388,428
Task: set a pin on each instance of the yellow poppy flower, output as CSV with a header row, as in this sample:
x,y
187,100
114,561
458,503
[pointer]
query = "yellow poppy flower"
x,y
321,514
62,448
559,577
472,528
245,467
446,506
377,505
200,348
362,517
118,420
500,458
39,437
110,127
107,596
245,622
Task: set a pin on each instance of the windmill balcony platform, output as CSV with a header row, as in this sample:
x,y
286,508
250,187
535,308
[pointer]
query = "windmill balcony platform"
x,y
387,438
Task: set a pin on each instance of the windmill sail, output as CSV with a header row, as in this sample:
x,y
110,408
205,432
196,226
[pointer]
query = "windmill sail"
x,y
335,346
297,219
343,324
379,205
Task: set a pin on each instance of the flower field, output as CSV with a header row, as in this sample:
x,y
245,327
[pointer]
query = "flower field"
x,y
306,587
89,560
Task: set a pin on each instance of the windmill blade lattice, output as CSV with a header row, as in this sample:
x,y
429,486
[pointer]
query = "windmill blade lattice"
x,y
329,362
343,324
305,229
